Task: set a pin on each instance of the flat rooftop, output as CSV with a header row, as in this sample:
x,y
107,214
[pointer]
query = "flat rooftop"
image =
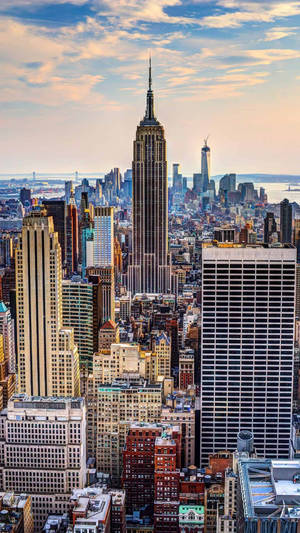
x,y
269,489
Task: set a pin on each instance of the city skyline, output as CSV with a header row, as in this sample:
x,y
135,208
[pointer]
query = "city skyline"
x,y
74,78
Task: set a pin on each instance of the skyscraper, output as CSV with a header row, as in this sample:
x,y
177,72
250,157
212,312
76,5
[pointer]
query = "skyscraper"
x,y
47,355
104,237
56,210
269,227
205,165
149,270
247,346
286,217
77,306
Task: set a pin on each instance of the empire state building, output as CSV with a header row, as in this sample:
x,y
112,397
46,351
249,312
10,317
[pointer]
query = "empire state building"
x,y
149,269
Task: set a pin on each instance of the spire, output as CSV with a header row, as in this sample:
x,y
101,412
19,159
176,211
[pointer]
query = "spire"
x,y
150,74
149,117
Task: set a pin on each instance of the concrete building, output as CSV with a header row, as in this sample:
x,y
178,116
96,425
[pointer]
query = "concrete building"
x,y
103,237
191,518
286,221
166,484
125,306
77,313
268,496
103,280
247,346
205,165
7,330
182,414
43,451
124,401
109,334
186,369
47,355
161,346
7,380
16,513
149,269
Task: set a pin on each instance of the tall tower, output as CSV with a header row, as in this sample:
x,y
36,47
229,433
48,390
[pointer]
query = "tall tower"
x,y
205,165
286,221
247,347
47,356
149,270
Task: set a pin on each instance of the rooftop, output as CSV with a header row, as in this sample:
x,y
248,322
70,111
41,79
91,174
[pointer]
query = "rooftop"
x,y
270,489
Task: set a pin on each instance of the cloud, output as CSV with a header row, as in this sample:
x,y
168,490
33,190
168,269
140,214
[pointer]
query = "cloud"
x,y
279,33
8,4
247,12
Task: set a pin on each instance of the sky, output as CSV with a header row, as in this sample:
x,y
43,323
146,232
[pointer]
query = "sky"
x,y
74,77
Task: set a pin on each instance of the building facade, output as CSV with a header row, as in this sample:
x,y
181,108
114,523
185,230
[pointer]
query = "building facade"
x,y
47,356
149,269
247,345
43,451
77,313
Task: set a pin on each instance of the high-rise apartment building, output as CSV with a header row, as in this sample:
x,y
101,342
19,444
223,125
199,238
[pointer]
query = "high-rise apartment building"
x,y
205,165
149,269
44,454
77,313
286,220
7,380
47,356
124,401
104,237
247,343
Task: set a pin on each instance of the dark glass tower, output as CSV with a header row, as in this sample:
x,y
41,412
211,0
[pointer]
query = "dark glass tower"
x,y
149,270
286,217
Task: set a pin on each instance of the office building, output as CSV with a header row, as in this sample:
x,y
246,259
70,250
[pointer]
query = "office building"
x,y
77,313
103,237
191,518
205,165
25,197
247,344
296,237
161,346
277,507
16,513
69,191
197,183
109,334
149,269
138,467
227,184
7,380
47,356
186,369
180,411
7,330
126,400
6,250
125,306
57,210
87,245
286,220
177,178
103,281
166,484
71,238
44,454
270,227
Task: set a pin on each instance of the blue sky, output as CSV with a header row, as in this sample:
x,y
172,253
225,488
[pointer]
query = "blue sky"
x,y
73,81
